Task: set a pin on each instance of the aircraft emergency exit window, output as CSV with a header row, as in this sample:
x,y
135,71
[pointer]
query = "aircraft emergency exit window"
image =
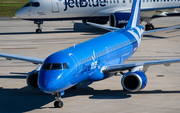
x,y
36,4
65,66
46,66
28,4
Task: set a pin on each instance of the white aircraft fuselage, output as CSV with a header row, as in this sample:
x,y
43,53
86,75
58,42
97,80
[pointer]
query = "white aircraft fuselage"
x,y
79,9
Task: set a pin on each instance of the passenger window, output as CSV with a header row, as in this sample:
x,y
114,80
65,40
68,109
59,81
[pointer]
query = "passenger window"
x,y
28,4
36,4
81,62
65,65
88,58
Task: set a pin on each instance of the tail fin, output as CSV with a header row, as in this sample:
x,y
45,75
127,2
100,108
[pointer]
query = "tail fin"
x,y
135,14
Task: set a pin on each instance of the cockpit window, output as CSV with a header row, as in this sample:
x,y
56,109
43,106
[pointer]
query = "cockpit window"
x,y
36,4
56,66
28,4
46,66
65,66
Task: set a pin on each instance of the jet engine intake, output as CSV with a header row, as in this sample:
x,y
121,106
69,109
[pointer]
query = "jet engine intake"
x,y
32,78
119,19
134,81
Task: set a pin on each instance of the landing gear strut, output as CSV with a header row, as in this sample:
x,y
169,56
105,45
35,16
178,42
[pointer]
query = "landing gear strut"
x,y
39,29
58,103
149,26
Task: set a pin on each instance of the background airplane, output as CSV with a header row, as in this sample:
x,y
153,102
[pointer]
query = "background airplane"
x,y
117,12
94,60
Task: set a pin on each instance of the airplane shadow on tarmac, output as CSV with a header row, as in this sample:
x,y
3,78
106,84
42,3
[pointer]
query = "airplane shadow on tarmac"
x,y
78,28
26,99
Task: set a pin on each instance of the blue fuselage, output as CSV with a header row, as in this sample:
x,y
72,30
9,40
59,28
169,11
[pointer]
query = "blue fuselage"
x,y
86,59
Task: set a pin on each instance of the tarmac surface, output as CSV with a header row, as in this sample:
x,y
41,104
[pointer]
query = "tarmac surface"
x,y
161,95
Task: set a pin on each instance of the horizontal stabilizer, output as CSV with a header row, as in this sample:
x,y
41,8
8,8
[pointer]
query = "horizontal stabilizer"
x,y
109,28
146,32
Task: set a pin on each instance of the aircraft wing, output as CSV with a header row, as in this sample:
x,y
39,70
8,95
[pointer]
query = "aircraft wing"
x,y
129,66
23,58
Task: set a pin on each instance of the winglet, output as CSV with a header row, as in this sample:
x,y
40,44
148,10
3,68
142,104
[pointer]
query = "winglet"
x,y
135,14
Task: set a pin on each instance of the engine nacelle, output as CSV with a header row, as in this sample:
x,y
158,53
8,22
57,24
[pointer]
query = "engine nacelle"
x,y
134,81
119,19
32,78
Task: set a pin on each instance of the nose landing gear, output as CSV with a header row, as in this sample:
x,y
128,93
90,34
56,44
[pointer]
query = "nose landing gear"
x,y
39,29
58,103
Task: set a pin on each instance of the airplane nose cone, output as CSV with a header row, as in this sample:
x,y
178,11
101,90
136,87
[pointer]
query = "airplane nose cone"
x,y
22,13
49,82
47,87
18,14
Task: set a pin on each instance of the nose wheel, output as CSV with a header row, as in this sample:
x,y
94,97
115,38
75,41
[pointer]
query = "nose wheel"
x,y
58,103
39,29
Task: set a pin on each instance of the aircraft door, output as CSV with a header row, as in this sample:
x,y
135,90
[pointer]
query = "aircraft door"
x,y
76,63
124,2
55,6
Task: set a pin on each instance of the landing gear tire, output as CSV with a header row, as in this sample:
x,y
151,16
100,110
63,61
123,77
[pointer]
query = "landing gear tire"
x,y
149,27
38,31
58,104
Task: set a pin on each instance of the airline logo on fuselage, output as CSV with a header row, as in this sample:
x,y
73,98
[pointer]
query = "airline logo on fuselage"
x,y
84,3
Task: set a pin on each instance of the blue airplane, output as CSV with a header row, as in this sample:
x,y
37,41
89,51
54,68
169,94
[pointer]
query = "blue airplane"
x,y
94,60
